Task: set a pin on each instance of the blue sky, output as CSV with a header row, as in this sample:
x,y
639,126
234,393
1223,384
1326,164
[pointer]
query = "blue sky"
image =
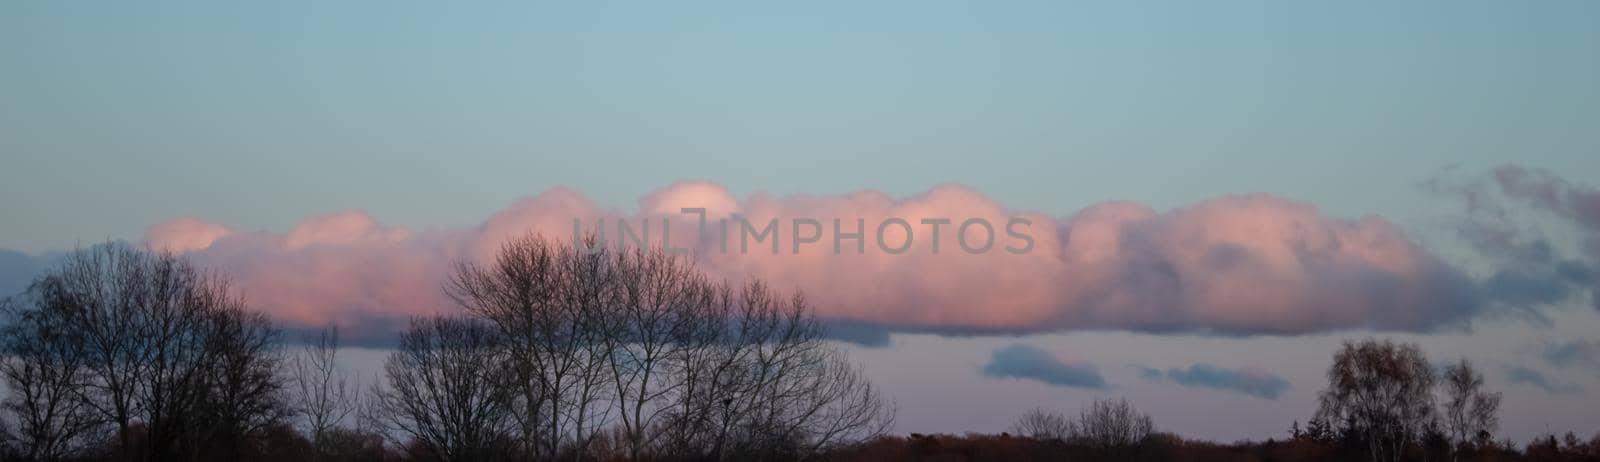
x,y
116,117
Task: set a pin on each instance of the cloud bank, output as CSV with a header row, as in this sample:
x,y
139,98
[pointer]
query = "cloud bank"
x,y
1245,264
1027,362
1247,380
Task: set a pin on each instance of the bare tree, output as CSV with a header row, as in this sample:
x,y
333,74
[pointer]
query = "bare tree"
x,y
840,406
590,336
684,365
775,344
1041,424
175,340
1113,426
710,356
154,344
547,301
42,370
517,293
589,294
325,396
1470,413
737,393
443,389
662,303
98,293
765,384
1380,392
244,391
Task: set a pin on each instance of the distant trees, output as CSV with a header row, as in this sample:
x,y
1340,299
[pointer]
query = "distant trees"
x,y
1568,448
144,346
1114,425
1041,424
1379,405
1110,428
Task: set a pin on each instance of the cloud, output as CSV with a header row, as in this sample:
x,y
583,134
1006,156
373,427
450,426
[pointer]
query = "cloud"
x,y
1528,267
1246,264
343,269
184,234
1577,202
1581,353
1247,380
1031,363
1526,376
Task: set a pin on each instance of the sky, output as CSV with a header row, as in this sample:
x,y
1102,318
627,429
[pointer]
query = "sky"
x,y
1419,171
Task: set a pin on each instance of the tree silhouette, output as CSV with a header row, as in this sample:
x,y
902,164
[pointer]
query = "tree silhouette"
x,y
1470,411
324,395
1041,424
443,391
1113,427
43,368
162,354
1380,393
682,365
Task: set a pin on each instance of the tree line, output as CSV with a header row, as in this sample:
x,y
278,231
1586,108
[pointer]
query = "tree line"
x,y
126,354
1384,401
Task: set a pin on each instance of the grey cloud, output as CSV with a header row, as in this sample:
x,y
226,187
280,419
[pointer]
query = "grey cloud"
x,y
378,332
1578,202
1582,353
1248,381
1528,271
1525,376
1031,363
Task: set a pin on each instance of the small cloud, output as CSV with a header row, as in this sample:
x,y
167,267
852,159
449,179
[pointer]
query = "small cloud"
x,y
1031,363
1247,380
1526,376
1582,353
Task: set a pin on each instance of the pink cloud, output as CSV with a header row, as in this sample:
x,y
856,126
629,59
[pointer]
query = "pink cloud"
x,y
1235,264
184,234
